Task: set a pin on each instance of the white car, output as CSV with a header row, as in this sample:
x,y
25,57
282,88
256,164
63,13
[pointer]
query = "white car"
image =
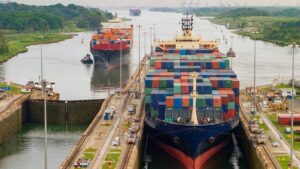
x,y
116,141
275,144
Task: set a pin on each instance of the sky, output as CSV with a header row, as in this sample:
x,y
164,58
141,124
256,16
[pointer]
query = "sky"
x,y
158,3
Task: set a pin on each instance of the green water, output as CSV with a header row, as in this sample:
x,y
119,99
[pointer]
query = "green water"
x,y
25,150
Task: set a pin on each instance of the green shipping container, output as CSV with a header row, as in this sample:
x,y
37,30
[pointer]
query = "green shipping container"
x,y
177,88
154,113
148,99
231,105
200,102
228,84
148,91
162,83
169,120
152,62
226,63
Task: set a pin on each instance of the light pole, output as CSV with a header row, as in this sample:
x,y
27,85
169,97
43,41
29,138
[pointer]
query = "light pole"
x,y
121,43
254,72
154,37
293,45
42,83
231,53
151,39
139,26
144,44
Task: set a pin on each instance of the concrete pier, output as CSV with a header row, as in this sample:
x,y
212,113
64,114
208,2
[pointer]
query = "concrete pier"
x,y
97,139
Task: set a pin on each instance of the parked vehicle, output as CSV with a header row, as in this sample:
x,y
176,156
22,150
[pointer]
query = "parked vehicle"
x,y
131,138
116,141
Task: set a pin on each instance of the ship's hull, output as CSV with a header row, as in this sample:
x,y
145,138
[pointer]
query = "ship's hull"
x,y
191,145
134,12
110,58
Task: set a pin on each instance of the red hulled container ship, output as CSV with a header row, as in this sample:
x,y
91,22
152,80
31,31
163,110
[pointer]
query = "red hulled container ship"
x,y
111,42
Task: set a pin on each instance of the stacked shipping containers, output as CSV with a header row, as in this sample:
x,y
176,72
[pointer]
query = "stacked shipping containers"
x,y
169,84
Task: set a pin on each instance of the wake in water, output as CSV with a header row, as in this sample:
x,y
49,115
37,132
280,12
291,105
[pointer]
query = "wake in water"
x,y
236,154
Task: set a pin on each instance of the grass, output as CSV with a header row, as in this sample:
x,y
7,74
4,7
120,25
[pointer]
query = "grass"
x,y
89,153
281,128
13,89
262,125
112,158
284,161
267,26
18,42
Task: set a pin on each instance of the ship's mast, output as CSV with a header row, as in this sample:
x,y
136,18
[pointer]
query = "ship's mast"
x,y
187,25
194,118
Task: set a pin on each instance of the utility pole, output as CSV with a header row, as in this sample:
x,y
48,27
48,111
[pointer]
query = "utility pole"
x,y
139,80
42,83
121,43
154,37
254,72
151,40
144,44
294,45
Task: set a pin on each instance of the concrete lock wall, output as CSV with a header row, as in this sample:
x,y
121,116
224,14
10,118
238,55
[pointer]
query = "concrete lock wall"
x,y
11,124
248,149
62,112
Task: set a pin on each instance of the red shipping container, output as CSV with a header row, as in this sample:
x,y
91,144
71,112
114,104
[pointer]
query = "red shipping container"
x,y
176,80
225,116
190,63
184,88
237,99
185,101
217,102
215,64
169,101
231,113
213,81
235,83
155,82
228,92
158,64
224,99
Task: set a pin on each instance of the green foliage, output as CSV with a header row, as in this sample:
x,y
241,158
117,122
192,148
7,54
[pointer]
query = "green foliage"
x,y
3,44
284,161
242,12
17,42
28,18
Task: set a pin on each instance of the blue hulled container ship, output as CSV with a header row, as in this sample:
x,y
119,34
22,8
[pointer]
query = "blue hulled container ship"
x,y
191,97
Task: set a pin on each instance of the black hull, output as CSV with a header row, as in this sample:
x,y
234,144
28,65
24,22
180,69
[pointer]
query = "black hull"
x,y
110,58
191,144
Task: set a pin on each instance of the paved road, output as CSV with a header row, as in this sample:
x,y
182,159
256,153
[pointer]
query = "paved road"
x,y
278,136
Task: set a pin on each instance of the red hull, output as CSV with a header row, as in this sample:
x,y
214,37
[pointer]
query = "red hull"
x,y
111,47
186,160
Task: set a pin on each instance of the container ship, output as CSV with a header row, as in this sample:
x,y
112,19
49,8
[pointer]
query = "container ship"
x,y
114,37
191,97
135,12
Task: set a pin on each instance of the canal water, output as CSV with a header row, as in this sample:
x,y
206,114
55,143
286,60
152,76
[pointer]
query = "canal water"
x,y
76,81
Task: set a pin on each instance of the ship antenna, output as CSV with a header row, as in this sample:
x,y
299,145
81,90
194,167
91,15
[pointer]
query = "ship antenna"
x,y
187,25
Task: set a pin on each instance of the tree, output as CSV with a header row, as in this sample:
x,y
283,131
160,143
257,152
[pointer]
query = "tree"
x,y
3,44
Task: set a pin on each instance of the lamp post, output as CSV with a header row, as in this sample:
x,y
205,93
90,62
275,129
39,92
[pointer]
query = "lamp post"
x,y
42,83
144,44
139,80
231,53
293,45
254,72
154,37
151,39
121,43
